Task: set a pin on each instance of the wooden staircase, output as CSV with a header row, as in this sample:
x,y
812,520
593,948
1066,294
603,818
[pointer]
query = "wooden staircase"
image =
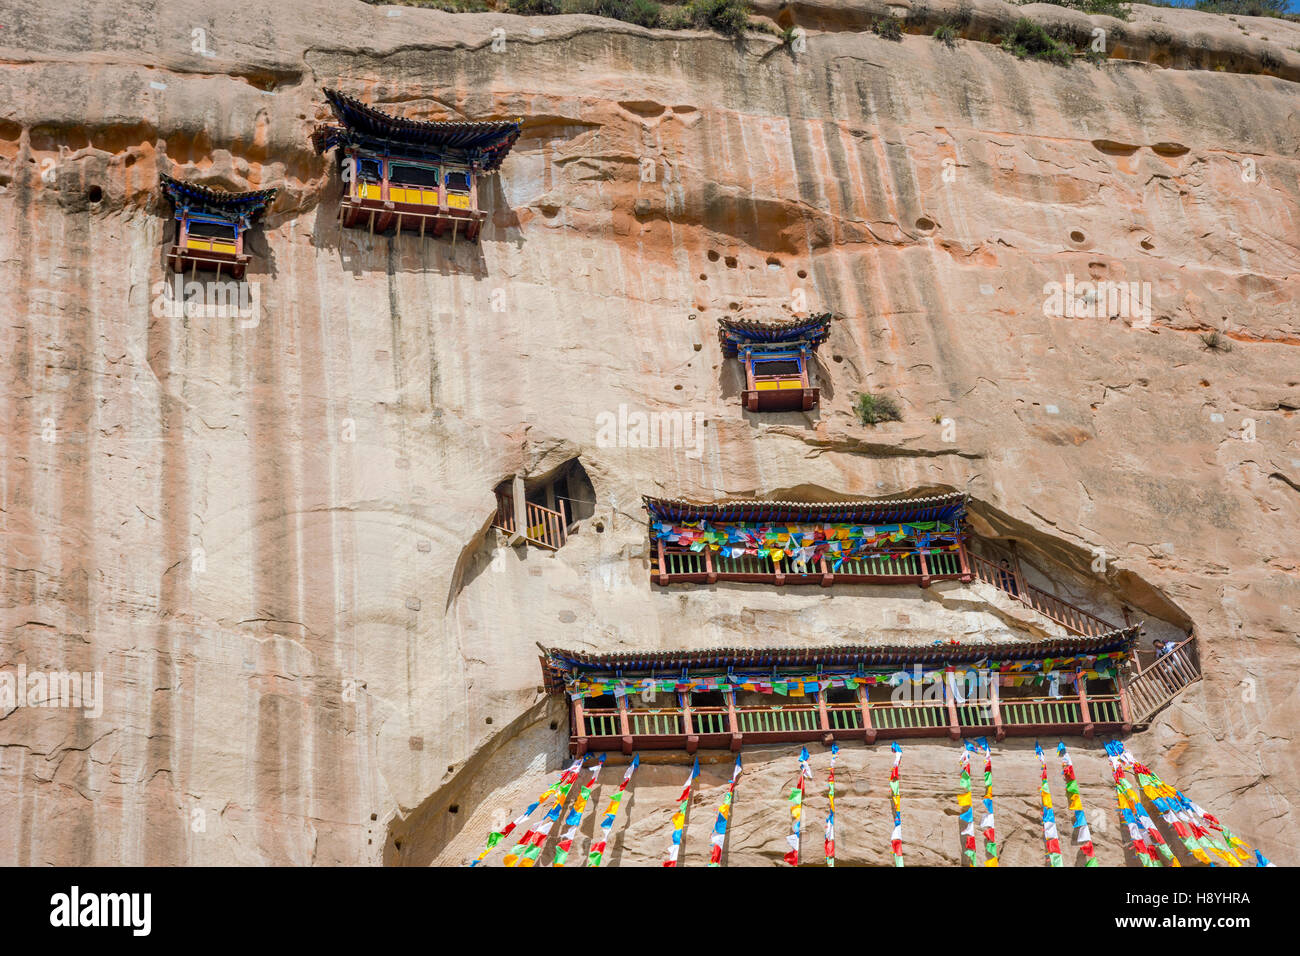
x,y
1154,686
1011,581
1148,689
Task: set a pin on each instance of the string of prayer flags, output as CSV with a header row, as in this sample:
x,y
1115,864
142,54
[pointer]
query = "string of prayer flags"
x,y
679,818
574,819
724,815
611,811
990,835
1145,854
496,836
1198,830
1171,810
966,812
1082,835
1135,815
896,837
796,808
830,815
529,847
1051,839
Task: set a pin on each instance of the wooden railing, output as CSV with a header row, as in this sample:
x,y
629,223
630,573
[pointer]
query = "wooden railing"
x,y
1009,580
1163,679
543,527
676,565
714,727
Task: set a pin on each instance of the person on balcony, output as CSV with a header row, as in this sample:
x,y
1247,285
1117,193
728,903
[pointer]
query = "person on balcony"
x,y
1008,579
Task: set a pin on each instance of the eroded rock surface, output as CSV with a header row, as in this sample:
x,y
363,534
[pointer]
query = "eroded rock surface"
x,y
273,538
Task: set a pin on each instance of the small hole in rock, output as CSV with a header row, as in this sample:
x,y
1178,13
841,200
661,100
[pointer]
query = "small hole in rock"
x,y
95,194
1077,236
451,768
802,274
397,844
731,262
734,306
555,725
838,358
713,256
924,224
454,808
677,388
488,720
1147,244
600,527
703,277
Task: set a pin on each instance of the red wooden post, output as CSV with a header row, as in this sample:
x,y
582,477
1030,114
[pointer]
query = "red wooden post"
x,y
954,728
1123,702
692,738
624,724
822,712
710,573
732,721
1083,704
995,702
925,569
473,192
383,180
579,724
442,189
870,732
965,558
663,568
828,577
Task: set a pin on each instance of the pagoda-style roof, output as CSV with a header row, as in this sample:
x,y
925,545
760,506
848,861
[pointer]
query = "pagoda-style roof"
x,y
485,143
735,333
217,202
950,508
559,661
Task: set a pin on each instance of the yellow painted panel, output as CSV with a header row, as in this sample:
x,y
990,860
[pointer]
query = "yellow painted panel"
x,y
370,191
792,383
397,194
772,386
198,244
455,201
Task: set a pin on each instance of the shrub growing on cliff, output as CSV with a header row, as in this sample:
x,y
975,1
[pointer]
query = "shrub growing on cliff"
x,y
644,13
946,34
726,16
533,7
1110,8
1216,342
888,28
874,409
1028,40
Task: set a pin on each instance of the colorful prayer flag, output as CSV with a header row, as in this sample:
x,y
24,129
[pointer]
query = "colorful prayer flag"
x,y
679,818
574,820
724,817
611,811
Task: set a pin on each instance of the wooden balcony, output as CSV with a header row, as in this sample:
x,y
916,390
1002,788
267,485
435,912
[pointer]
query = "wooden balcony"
x,y
542,526
677,566
714,728
423,211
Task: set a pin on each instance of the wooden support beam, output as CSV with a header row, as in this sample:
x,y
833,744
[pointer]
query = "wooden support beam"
x,y
995,703
579,725
624,724
864,706
965,558
663,567
954,727
733,722
1084,715
521,509
710,572
925,569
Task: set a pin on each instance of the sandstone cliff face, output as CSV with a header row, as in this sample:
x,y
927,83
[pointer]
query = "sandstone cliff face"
x,y
273,537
